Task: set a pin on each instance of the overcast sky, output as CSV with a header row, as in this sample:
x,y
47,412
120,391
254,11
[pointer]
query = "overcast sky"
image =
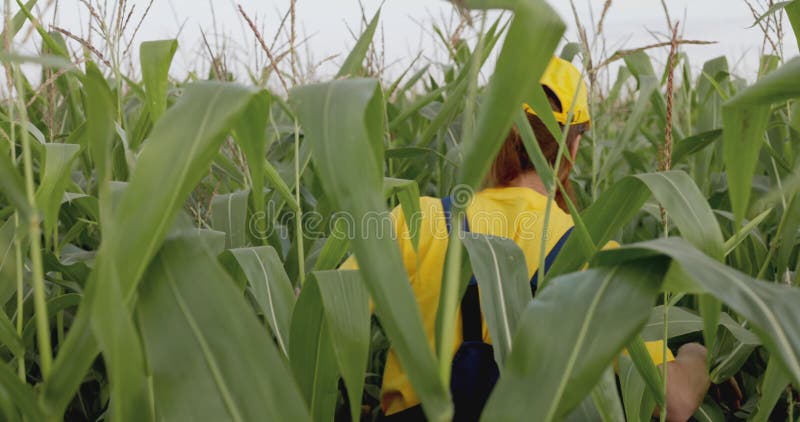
x,y
406,27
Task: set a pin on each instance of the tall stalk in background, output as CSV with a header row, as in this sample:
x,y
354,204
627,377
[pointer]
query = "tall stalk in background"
x,y
666,165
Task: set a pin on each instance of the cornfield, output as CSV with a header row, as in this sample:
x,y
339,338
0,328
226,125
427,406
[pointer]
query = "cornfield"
x,y
169,247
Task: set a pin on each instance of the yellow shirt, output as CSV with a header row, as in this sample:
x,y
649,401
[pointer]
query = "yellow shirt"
x,y
513,212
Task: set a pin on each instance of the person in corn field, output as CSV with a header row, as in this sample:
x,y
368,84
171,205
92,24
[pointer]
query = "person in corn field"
x,y
512,206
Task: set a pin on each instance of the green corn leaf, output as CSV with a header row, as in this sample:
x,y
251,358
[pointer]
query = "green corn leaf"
x,y
519,66
730,353
155,58
8,264
13,187
606,398
311,355
570,50
638,403
229,215
682,321
21,395
100,114
565,372
346,308
335,247
772,387
209,356
770,307
771,11
177,154
51,44
499,266
407,192
251,135
793,12
9,337
17,21
675,190
742,234
745,118
692,144
352,65
54,305
270,286
58,161
789,225
647,369
345,118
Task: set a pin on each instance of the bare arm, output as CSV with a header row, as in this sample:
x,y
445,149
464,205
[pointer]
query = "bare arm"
x,y
687,382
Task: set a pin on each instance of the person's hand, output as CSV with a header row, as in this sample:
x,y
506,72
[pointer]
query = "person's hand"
x,y
687,382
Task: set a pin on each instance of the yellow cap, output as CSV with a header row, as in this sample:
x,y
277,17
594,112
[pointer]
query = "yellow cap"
x,y
563,78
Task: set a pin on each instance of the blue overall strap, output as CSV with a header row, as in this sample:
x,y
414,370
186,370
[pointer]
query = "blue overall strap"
x,y
551,257
471,321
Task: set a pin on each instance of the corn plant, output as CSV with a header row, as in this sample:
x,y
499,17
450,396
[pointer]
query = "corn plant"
x,y
169,248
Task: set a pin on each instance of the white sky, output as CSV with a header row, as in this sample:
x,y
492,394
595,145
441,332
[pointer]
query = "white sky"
x,y
406,27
